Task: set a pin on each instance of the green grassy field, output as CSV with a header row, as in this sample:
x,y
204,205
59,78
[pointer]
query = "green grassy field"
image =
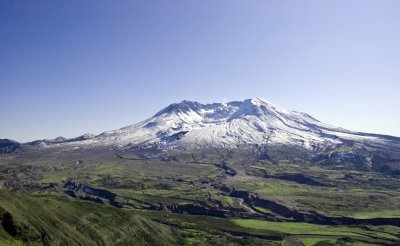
x,y
310,229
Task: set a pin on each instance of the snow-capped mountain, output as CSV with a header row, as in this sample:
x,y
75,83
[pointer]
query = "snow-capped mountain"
x,y
191,125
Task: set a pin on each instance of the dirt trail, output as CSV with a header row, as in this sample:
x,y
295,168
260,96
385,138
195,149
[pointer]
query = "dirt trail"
x,y
240,203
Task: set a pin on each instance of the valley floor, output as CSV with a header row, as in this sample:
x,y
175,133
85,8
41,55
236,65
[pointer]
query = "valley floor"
x,y
104,197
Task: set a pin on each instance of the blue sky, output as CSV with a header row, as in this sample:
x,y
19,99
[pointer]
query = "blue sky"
x,y
71,67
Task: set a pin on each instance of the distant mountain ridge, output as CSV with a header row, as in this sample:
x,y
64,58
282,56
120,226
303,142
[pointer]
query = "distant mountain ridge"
x,y
8,146
59,140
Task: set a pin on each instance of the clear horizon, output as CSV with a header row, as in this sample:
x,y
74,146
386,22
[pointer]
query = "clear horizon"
x,y
68,68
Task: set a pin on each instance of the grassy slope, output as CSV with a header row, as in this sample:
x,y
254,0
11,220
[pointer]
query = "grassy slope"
x,y
62,220
294,228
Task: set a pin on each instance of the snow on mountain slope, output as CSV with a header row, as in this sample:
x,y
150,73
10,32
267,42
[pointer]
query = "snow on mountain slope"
x,y
254,121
